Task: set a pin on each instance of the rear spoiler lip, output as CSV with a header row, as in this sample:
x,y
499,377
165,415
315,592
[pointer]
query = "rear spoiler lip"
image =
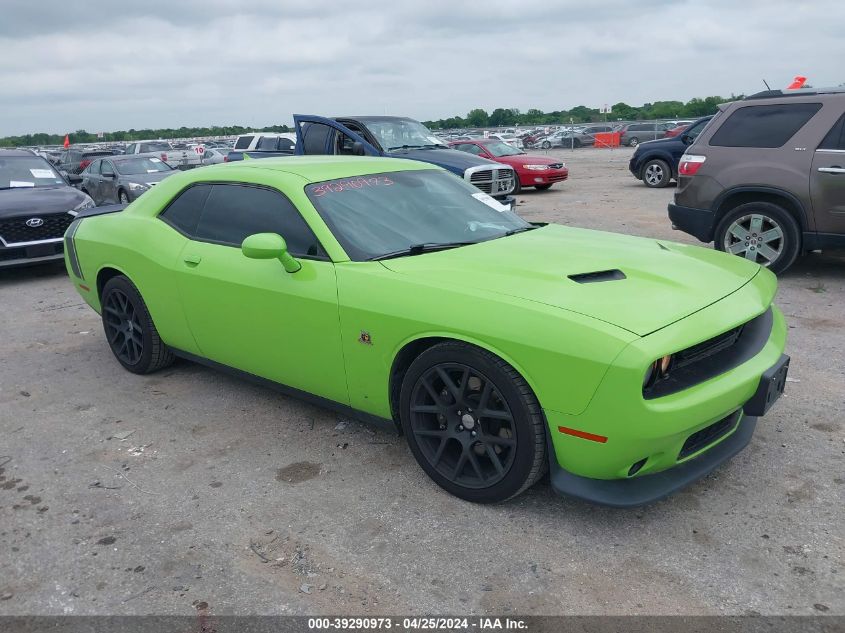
x,y
103,210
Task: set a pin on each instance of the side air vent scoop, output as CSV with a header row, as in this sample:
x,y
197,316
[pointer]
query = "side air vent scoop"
x,y
598,276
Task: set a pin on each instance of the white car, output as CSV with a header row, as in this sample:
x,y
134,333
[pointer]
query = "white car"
x,y
510,139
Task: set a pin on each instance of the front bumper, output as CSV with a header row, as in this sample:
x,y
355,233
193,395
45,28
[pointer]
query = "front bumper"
x,y
697,222
31,255
621,436
637,491
529,178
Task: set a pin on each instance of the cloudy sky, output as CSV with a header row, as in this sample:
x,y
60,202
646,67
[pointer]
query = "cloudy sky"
x,y
111,64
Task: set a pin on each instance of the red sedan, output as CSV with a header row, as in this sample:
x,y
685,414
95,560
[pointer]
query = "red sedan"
x,y
539,172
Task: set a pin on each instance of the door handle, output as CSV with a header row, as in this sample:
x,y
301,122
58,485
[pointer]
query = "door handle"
x,y
192,260
836,169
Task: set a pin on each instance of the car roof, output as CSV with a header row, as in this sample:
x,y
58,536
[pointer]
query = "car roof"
x,y
801,92
320,168
122,158
16,153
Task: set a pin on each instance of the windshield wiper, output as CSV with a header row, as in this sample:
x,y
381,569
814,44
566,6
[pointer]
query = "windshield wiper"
x,y
419,249
520,230
390,149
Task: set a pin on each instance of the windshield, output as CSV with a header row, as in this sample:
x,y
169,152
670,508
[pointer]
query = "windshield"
x,y
155,147
27,171
400,133
499,148
135,166
378,214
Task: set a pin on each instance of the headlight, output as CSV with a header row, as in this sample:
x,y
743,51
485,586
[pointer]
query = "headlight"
x,y
536,167
138,186
85,204
658,370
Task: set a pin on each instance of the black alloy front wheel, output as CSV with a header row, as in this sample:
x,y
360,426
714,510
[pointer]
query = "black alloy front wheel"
x,y
472,423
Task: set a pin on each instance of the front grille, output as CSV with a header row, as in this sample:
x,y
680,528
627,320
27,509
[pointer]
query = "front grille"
x,y
717,355
16,231
707,348
556,165
708,435
493,181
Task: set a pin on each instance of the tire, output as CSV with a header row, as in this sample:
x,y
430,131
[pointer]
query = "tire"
x,y
633,142
460,449
546,145
517,186
773,235
574,144
656,174
542,187
122,197
129,329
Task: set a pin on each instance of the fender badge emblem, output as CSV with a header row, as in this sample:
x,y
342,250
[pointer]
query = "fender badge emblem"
x,y
365,338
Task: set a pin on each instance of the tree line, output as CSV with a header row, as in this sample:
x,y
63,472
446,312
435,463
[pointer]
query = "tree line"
x,y
83,136
508,117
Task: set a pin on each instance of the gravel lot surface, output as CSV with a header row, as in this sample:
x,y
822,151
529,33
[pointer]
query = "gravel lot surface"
x,y
190,490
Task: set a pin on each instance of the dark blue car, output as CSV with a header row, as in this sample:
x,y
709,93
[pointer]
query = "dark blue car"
x,y
400,137
656,162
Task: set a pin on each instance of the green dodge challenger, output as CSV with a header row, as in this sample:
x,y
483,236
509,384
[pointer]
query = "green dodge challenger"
x,y
501,349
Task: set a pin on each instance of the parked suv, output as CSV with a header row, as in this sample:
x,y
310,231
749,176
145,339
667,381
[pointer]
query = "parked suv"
x,y
656,162
635,133
765,180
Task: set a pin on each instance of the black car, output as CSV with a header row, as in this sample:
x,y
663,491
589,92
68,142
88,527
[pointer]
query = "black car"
x,y
656,162
36,206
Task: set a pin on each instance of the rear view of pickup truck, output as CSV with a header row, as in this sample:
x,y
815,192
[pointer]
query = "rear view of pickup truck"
x,y
176,158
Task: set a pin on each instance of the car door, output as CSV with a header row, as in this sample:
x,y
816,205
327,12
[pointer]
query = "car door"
x,y
317,135
108,181
91,181
249,313
827,181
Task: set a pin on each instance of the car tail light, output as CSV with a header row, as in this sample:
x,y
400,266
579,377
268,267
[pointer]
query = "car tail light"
x,y
225,159
690,164
84,163
163,157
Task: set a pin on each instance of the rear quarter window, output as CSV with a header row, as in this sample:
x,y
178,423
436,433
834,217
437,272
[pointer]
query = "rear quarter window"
x,y
183,213
766,126
243,142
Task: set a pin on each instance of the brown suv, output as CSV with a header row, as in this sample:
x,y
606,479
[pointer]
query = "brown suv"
x,y
765,180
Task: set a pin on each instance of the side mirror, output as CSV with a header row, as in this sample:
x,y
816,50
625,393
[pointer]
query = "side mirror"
x,y
270,246
73,179
358,148
686,139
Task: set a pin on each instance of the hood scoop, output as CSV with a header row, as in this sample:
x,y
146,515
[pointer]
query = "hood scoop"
x,y
598,276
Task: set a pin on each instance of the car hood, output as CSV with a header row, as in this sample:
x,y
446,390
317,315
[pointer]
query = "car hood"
x,y
39,200
528,159
663,281
148,178
454,160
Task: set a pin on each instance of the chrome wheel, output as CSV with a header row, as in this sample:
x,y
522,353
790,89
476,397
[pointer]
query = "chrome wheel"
x,y
463,425
546,145
654,174
123,198
756,237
